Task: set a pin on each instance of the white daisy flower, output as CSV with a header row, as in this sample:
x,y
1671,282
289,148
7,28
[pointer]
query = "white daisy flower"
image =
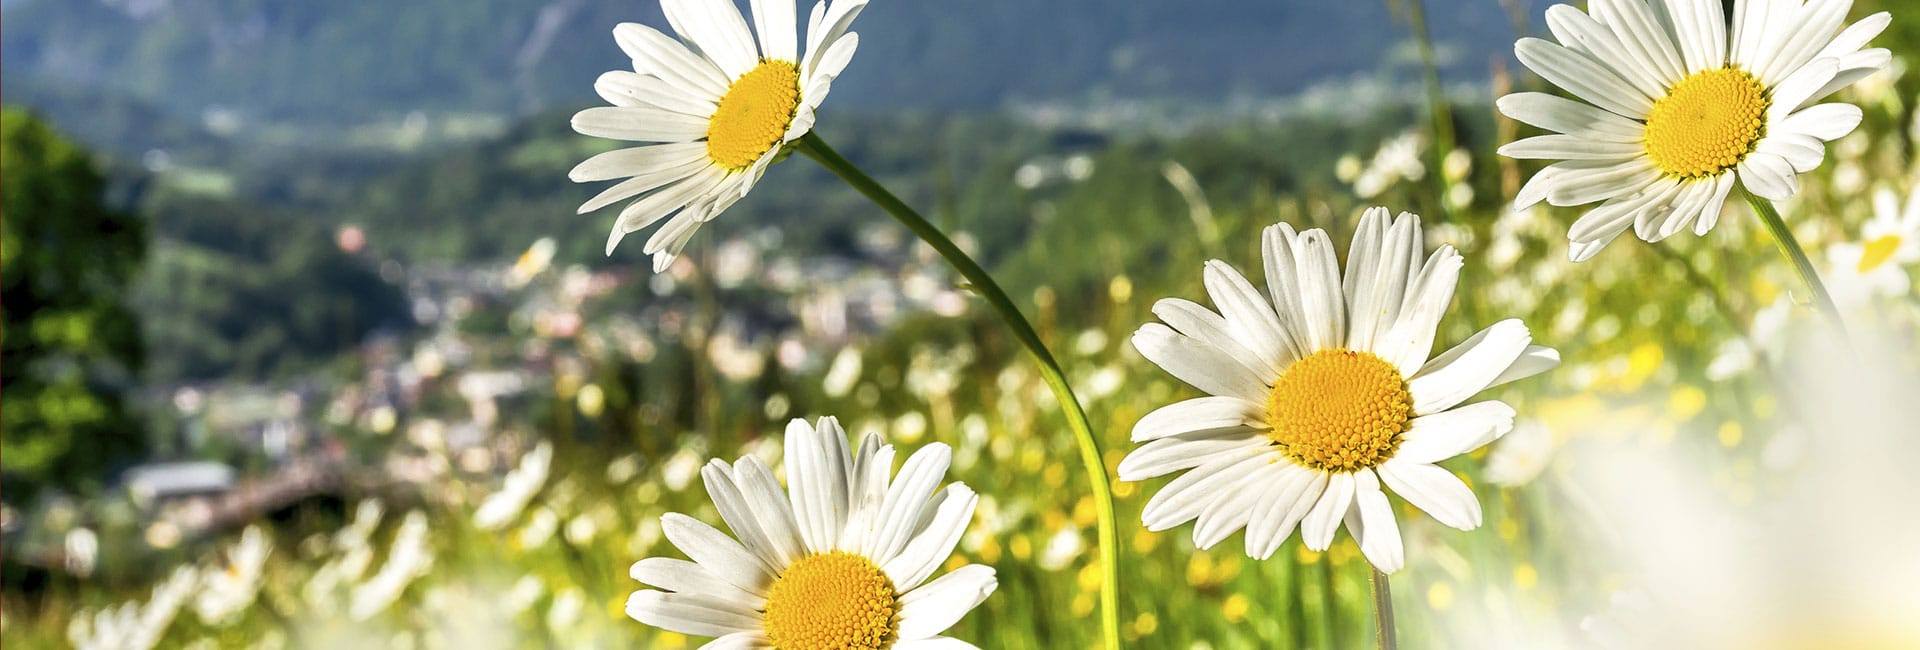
x,y
1876,265
226,593
840,561
1322,393
1679,107
717,106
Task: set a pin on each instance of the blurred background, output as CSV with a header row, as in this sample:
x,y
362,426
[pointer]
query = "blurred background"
x,y
305,346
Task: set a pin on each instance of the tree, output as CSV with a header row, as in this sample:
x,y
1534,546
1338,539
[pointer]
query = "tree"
x,y
71,346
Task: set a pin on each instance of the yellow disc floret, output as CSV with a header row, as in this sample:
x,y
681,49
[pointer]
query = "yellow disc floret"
x,y
1878,251
831,601
754,114
1707,123
1339,410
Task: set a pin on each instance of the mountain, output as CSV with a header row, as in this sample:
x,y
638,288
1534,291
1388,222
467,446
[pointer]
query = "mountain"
x,y
330,63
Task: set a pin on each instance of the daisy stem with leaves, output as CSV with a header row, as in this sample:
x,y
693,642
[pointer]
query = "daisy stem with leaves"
x,y
1790,247
816,148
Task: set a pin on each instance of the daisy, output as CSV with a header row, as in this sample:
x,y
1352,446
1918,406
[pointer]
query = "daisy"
x,y
1876,265
1320,395
1678,107
717,106
839,561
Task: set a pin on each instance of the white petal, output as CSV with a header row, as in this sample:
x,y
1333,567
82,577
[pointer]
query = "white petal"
x,y
936,606
1586,181
646,181
740,641
652,207
1175,453
1410,340
1710,214
1319,284
1536,188
624,88
1768,176
639,124
660,55
1535,360
1197,364
817,487
634,161
1185,497
910,494
1607,48
827,29
1249,316
1276,254
1379,534
1827,122
717,553
1468,368
770,506
1579,251
1378,286
1213,331
1570,147
1232,512
1812,29
1320,524
716,27
1563,115
1437,437
1800,87
778,28
1199,414
933,544
1585,78
1803,153
741,518
691,578
1618,212
689,614
1433,490
1702,32
1297,490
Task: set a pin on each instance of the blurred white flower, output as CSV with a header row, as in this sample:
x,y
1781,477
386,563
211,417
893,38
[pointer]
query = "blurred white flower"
x,y
1521,455
1876,266
407,559
1061,549
565,610
1732,566
521,484
232,588
133,625
82,551
1398,159
842,373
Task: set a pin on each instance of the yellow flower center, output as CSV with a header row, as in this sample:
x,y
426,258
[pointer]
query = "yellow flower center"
x,y
754,114
831,601
1339,410
1877,252
1707,123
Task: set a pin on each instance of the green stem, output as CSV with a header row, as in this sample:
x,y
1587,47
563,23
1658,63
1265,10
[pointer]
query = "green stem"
x,y
817,149
1437,107
1383,631
1790,247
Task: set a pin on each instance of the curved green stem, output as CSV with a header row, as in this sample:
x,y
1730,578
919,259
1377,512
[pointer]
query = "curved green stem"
x,y
1383,630
1790,247
1096,469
